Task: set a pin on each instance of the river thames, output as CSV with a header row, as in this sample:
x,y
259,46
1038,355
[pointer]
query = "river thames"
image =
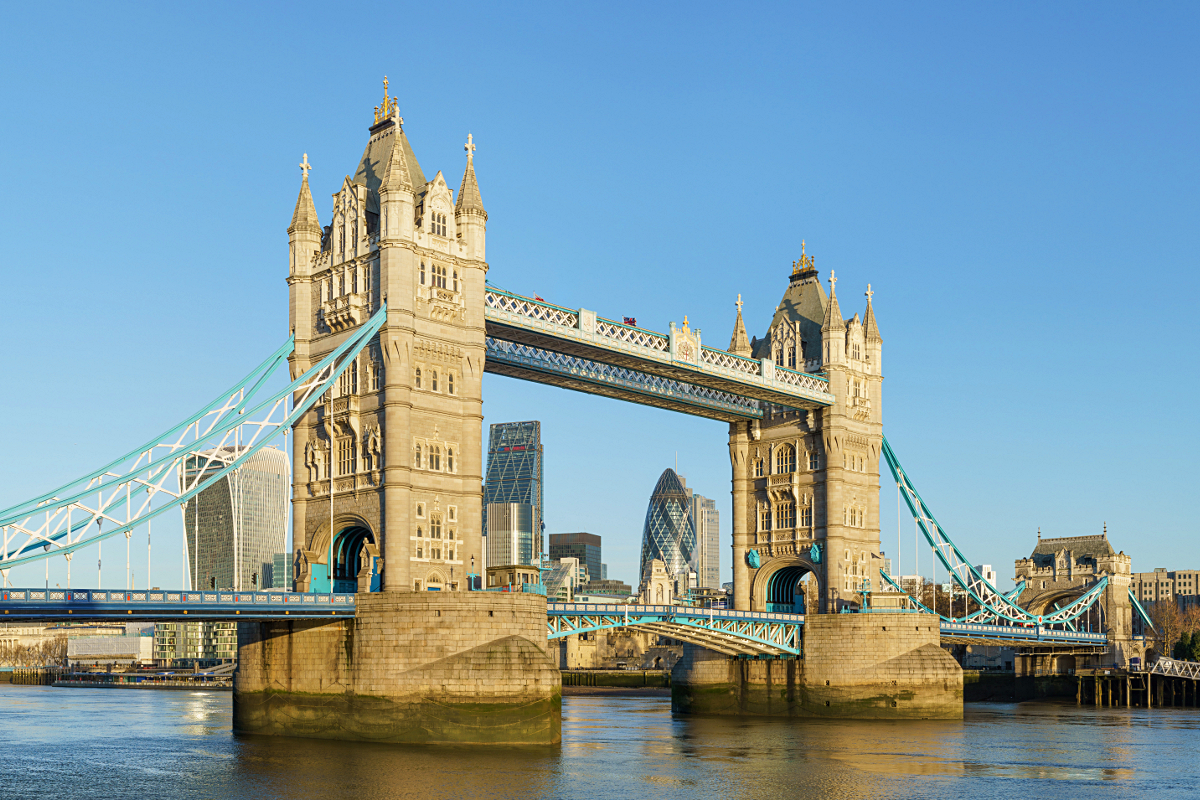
x,y
98,743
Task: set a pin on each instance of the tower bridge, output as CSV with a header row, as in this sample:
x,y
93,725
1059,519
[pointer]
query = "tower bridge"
x,y
393,323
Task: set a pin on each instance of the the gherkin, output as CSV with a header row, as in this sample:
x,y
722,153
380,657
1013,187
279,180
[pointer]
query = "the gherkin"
x,y
669,534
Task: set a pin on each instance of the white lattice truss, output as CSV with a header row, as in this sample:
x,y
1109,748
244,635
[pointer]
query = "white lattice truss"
x,y
151,480
734,633
1175,668
581,369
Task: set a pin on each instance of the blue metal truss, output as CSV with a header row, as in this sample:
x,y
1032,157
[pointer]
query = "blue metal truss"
x,y
994,605
597,377
147,482
735,633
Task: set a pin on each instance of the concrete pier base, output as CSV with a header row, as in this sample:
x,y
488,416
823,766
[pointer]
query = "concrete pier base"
x,y
855,666
427,667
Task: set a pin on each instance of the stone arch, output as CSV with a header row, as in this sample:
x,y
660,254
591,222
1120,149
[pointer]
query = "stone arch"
x,y
435,581
1043,602
1064,665
353,536
777,576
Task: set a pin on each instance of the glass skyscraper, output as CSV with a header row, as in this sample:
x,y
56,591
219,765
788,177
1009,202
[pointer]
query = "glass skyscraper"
x,y
583,546
707,522
234,528
669,534
514,479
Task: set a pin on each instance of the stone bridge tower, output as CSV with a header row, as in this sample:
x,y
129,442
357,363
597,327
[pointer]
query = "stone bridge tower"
x,y
389,463
1059,570
806,483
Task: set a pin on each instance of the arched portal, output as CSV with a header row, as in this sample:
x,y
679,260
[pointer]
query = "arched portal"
x,y
780,585
349,559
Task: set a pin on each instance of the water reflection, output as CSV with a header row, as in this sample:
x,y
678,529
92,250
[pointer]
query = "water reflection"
x,y
131,743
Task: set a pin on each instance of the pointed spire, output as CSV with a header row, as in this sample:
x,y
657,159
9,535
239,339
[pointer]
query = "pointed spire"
x,y
739,345
395,174
872,329
469,200
833,314
304,218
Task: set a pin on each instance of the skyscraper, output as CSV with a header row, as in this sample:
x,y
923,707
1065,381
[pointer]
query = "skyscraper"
x,y
234,527
583,546
707,522
514,478
668,534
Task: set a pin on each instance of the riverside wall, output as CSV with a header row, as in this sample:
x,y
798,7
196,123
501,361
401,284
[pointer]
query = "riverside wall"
x,y
855,666
416,667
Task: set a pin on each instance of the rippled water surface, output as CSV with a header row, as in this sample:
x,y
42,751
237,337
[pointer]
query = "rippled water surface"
x,y
85,743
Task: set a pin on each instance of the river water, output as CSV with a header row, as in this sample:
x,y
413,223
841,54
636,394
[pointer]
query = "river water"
x,y
106,743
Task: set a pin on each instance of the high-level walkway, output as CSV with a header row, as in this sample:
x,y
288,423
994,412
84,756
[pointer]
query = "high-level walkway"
x,y
538,341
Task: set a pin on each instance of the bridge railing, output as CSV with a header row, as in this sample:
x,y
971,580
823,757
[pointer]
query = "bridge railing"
x,y
25,600
678,611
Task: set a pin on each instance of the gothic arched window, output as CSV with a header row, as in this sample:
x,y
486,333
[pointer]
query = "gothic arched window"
x,y
435,458
435,528
417,456
422,273
758,467
433,380
449,459
785,459
450,382
418,377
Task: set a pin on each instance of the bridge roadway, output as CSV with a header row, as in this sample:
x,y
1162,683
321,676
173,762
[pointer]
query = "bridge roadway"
x,y
741,633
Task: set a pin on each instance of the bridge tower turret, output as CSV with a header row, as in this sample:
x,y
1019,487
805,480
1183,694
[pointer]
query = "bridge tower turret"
x,y
806,483
388,466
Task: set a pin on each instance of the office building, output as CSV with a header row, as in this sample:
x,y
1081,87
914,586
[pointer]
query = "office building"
x,y
513,494
280,575
234,527
668,534
583,546
707,521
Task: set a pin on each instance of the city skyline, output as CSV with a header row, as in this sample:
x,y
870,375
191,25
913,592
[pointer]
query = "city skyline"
x,y
1090,186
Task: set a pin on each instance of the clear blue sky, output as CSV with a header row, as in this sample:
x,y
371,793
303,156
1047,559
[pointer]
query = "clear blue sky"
x,y
1018,182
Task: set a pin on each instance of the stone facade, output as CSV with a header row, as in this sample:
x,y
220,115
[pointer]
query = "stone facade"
x,y
855,666
429,667
398,440
1059,570
806,483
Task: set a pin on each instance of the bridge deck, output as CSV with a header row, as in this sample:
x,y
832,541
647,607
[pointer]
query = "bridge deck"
x,y
82,604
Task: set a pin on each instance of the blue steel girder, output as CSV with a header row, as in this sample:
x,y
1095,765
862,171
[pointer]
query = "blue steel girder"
x,y
729,632
86,604
960,632
580,333
526,362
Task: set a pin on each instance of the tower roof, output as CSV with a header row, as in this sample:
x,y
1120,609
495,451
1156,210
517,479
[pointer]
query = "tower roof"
x,y
803,303
833,314
468,193
304,218
872,329
385,136
396,174
739,343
